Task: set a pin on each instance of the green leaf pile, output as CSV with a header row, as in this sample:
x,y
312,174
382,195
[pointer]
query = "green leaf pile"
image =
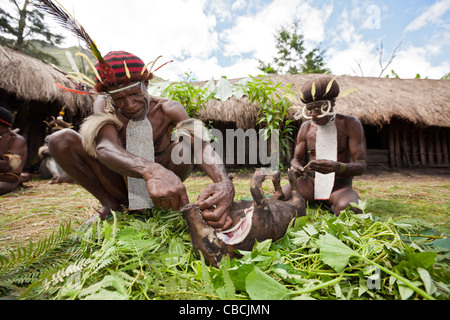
x,y
150,257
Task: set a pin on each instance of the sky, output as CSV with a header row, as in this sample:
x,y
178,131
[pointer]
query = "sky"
x,y
216,38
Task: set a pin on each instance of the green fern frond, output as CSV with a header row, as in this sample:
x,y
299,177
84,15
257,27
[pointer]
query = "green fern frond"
x,y
107,295
99,289
25,256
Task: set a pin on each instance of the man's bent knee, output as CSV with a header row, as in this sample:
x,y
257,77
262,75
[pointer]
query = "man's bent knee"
x,y
62,141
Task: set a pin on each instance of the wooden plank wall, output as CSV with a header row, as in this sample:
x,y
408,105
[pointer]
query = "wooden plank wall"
x,y
411,145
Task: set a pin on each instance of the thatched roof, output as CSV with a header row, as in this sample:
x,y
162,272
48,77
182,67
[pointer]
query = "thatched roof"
x,y
30,79
424,102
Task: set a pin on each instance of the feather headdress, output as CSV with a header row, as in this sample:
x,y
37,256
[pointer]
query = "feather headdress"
x,y
321,89
106,72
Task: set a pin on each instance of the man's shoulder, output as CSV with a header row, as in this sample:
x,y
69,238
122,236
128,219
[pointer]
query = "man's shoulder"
x,y
173,109
18,139
347,118
306,124
168,104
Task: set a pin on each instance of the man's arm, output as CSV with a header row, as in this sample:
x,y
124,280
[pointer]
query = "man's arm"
x,y
19,148
216,200
163,185
220,194
300,150
357,148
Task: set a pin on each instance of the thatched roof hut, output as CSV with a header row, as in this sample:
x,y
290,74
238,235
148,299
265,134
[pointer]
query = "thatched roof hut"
x,y
29,79
407,121
423,102
28,89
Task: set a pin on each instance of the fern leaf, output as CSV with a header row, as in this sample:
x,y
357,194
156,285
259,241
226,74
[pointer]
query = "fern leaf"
x,y
26,256
230,291
107,295
99,289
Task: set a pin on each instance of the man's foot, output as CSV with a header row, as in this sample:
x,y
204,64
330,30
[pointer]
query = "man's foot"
x,y
102,214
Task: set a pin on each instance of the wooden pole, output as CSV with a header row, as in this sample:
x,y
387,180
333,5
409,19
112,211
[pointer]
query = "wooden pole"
x,y
404,144
430,147
414,148
423,158
445,146
398,158
391,146
437,142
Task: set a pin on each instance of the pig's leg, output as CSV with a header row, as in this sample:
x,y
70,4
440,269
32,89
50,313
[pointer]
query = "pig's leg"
x,y
296,198
203,237
256,188
276,180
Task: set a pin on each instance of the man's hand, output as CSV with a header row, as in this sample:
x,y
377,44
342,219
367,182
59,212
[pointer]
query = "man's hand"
x,y
297,167
166,189
4,165
324,166
215,202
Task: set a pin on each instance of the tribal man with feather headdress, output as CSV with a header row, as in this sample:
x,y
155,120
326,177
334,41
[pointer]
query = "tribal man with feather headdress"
x,y
330,147
123,154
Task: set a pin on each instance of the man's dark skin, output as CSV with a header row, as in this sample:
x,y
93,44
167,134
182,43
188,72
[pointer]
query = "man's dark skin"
x,y
12,144
104,177
351,153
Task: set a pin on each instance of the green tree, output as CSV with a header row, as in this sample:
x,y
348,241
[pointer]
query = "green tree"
x,y
314,62
26,31
291,55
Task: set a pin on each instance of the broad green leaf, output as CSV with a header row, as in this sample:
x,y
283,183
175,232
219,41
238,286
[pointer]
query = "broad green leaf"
x,y
263,246
310,229
299,238
442,243
260,286
421,259
239,275
210,86
427,281
334,252
405,291
223,90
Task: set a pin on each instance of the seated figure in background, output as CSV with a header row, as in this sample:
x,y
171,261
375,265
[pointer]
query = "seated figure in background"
x,y
13,154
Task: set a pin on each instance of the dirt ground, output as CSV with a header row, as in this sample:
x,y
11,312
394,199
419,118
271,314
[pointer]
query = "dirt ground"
x,y
37,209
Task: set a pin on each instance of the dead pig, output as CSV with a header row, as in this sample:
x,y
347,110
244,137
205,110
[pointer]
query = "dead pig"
x,y
257,220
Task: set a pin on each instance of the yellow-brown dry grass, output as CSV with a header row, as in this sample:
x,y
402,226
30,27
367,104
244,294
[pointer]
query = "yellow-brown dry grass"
x,y
36,210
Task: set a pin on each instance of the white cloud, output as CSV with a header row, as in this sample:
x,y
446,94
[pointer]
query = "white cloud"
x,y
431,15
255,34
358,58
238,5
175,29
416,60
191,32
350,53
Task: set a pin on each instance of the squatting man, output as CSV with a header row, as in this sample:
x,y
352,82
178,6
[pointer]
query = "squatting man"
x,y
330,148
122,154
99,157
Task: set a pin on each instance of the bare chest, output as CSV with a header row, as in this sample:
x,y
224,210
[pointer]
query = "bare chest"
x,y
342,142
160,132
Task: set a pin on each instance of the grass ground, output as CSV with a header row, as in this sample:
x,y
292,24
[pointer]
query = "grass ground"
x,y
37,209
